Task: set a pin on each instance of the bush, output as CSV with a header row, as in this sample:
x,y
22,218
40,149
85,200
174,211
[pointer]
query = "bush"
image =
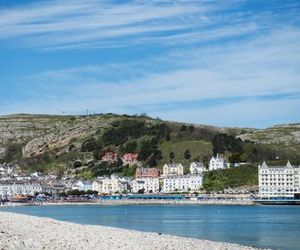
x,y
77,164
89,145
218,180
122,130
183,128
141,191
13,152
187,154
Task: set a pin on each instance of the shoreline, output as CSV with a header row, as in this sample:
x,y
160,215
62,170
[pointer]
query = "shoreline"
x,y
138,202
30,232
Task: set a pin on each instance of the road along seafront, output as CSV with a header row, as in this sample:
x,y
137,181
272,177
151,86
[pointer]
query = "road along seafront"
x,y
135,202
29,232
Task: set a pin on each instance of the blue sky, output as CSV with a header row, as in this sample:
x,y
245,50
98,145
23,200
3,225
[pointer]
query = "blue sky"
x,y
227,63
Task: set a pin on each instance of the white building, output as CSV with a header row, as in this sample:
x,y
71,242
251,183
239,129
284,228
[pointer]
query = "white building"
x,y
182,183
82,185
12,188
278,181
218,162
112,184
197,168
97,185
149,185
5,170
172,169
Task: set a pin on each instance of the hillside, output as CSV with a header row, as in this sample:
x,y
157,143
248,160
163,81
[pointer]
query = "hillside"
x,y
74,145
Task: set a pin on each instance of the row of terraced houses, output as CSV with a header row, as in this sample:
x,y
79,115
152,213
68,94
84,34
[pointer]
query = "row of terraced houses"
x,y
150,180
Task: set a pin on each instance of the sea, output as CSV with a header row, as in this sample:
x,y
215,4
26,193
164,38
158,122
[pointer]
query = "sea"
x,y
276,227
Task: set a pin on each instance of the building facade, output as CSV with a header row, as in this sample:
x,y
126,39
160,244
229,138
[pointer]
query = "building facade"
x,y
147,184
11,188
218,162
130,158
182,183
146,172
278,181
82,185
110,185
172,169
197,168
110,156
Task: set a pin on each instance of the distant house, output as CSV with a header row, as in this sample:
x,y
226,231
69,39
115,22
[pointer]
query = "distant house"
x,y
148,185
130,158
110,156
146,172
236,164
82,185
218,162
53,188
109,185
172,169
197,168
182,183
12,188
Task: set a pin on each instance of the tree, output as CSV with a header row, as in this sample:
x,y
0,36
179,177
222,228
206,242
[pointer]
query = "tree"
x,y
89,145
62,194
191,128
146,149
141,191
13,152
183,128
129,147
154,158
168,137
187,154
171,156
234,158
129,170
77,164
223,142
122,130
71,147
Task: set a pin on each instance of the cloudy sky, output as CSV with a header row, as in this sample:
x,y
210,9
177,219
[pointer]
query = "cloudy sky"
x,y
228,63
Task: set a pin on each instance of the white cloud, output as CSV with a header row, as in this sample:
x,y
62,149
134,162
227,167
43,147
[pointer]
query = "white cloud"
x,y
105,24
219,73
239,74
69,22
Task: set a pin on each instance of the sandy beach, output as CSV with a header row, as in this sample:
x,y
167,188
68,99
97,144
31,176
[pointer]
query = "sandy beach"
x,y
29,232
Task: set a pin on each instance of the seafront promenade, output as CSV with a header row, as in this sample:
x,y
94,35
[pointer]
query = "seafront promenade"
x,y
241,202
29,232
179,202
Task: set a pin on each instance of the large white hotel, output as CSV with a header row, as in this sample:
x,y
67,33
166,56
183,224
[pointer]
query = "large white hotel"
x,y
278,181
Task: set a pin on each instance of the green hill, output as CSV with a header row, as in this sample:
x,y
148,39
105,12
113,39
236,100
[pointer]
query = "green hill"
x,y
74,145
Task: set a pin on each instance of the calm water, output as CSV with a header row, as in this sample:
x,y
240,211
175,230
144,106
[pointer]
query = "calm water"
x,y
261,226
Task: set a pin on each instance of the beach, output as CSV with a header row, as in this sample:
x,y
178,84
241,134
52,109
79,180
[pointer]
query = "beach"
x,y
29,232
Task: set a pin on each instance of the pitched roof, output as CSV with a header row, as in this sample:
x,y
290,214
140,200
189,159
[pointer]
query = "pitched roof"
x,y
198,164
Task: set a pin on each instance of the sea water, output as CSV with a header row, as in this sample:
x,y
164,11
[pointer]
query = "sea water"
x,y
260,226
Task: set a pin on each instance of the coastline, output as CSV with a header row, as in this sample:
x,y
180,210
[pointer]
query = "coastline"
x,y
178,202
30,232
139,202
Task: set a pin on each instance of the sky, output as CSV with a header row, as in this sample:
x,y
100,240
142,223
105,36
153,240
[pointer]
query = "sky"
x,y
224,63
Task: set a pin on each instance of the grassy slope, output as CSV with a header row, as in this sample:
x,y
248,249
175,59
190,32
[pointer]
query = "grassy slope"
x,y
233,177
199,149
